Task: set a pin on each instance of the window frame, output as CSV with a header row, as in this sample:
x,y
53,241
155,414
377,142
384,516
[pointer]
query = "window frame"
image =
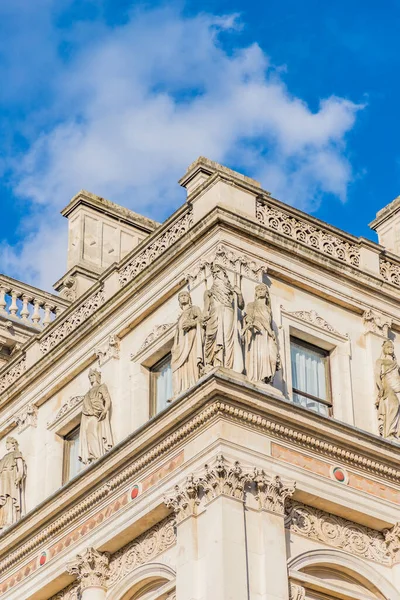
x,y
67,443
325,354
153,383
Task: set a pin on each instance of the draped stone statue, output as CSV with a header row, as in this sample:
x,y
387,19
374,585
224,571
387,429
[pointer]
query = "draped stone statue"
x,y
261,348
187,350
95,432
387,377
222,344
12,484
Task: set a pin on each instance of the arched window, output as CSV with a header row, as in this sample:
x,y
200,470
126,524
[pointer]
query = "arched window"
x,y
153,581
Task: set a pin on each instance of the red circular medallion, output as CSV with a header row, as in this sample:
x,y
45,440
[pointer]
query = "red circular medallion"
x,y
339,474
135,492
42,559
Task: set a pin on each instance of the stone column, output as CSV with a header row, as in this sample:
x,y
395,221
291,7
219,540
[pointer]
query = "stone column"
x,y
271,494
184,500
91,568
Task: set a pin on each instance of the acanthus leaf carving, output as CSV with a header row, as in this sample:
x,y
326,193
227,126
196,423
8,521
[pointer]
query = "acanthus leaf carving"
x,y
390,271
392,541
184,499
158,247
307,233
223,479
91,568
296,591
272,492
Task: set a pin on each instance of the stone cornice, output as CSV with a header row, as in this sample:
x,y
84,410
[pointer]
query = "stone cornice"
x,y
215,395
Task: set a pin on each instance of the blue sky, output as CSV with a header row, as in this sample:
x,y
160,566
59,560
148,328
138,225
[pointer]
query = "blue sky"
x,y
118,97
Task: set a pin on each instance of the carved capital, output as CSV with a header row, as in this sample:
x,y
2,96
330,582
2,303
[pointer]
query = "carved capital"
x,y
296,591
184,499
91,568
27,417
272,492
224,479
392,541
377,323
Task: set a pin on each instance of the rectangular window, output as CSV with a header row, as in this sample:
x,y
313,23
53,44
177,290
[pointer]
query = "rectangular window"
x,y
310,376
161,384
72,465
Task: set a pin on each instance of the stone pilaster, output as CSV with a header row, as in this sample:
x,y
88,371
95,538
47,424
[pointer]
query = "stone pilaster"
x,y
91,569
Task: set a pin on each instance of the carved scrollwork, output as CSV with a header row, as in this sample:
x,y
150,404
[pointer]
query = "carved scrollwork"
x,y
66,408
376,323
311,316
27,417
109,350
390,271
12,374
308,234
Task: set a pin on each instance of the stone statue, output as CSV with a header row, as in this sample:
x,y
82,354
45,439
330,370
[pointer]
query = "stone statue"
x,y
95,432
387,377
261,350
12,484
187,351
221,301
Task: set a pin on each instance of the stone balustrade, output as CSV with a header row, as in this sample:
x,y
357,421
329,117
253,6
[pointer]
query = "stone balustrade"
x,y
27,305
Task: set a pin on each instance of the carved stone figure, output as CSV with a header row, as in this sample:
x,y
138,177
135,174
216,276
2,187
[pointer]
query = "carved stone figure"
x,y
387,377
187,352
95,433
12,484
261,349
221,301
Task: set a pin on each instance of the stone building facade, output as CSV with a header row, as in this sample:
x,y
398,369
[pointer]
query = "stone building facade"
x,y
209,408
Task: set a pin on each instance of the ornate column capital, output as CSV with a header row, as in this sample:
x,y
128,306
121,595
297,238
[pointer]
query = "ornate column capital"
x,y
223,479
272,492
184,499
296,591
91,568
392,541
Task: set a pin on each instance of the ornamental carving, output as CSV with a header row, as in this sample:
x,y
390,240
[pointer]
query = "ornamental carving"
x,y
12,374
240,264
66,408
109,350
375,322
79,316
390,271
155,249
184,499
311,316
272,492
392,541
337,532
223,479
27,417
296,591
155,333
91,568
308,234
387,380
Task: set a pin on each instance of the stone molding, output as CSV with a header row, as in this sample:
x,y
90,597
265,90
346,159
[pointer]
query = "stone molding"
x,y
110,349
12,374
155,249
73,321
338,532
312,236
241,264
152,337
376,322
143,549
116,482
222,478
296,591
65,409
311,316
91,568
390,271
27,417
392,541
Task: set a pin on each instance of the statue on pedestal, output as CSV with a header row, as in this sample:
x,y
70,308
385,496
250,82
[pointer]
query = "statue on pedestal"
x,y
12,484
221,303
95,432
187,351
387,377
261,349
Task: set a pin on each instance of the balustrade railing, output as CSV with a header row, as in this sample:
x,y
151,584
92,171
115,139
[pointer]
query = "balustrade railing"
x,y
28,305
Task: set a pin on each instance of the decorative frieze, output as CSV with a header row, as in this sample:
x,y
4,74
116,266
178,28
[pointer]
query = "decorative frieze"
x,y
390,271
109,350
392,541
155,249
375,322
306,233
79,316
91,568
12,374
337,532
27,417
272,492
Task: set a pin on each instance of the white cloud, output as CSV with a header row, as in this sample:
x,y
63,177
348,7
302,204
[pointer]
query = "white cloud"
x,y
140,101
